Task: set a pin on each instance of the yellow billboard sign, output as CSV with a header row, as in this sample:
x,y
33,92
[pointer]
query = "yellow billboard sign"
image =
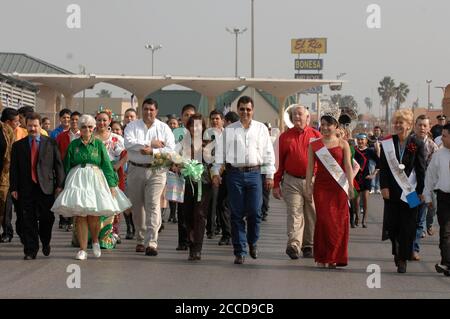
x,y
309,45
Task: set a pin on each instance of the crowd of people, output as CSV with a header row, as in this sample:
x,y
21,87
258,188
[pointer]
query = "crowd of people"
x,y
91,170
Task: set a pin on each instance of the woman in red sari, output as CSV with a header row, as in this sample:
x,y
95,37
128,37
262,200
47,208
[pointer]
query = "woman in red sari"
x,y
330,198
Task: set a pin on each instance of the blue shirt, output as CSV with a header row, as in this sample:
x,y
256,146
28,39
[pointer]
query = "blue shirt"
x,y
38,140
54,134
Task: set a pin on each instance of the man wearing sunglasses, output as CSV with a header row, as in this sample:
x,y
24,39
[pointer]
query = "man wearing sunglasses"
x,y
246,149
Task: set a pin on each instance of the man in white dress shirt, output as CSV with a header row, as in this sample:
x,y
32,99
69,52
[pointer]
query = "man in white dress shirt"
x,y
246,148
144,139
437,179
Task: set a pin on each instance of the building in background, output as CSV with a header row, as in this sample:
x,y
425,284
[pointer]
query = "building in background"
x,y
16,93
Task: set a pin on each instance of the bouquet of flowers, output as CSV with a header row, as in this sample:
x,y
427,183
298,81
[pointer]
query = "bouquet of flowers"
x,y
161,160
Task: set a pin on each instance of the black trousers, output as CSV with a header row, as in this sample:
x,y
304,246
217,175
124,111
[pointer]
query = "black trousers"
x,y
443,213
401,227
223,209
182,231
8,231
37,220
195,213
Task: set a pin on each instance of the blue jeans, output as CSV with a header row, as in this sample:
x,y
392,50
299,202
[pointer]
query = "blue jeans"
x,y
421,216
245,200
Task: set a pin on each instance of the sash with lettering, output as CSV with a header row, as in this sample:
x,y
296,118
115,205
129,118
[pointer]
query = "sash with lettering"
x,y
407,185
330,163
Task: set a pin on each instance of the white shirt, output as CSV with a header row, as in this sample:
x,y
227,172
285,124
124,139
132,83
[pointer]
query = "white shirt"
x,y
438,173
137,136
73,135
114,145
242,147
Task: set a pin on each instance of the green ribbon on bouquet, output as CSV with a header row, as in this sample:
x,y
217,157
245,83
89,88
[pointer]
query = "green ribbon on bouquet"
x,y
193,170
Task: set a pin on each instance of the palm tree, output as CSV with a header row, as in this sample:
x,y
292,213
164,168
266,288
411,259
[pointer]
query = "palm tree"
x,y
368,103
386,90
346,101
401,92
104,93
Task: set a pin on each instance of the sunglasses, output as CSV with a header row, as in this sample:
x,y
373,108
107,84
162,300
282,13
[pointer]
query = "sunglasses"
x,y
243,109
87,126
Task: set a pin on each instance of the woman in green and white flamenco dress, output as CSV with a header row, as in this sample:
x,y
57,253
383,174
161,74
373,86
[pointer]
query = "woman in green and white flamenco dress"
x,y
90,189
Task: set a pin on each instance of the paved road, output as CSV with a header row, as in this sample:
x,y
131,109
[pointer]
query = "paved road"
x,y
122,273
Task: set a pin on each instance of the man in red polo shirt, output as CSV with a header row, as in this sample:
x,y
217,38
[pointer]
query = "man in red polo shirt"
x,y
291,173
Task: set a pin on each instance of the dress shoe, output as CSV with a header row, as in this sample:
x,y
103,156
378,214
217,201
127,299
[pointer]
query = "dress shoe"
x,y
210,236
182,247
331,266
364,225
195,255
46,250
307,252
140,248
129,235
430,231
401,268
239,260
442,269
292,252
253,251
151,251
352,225
29,257
396,259
415,256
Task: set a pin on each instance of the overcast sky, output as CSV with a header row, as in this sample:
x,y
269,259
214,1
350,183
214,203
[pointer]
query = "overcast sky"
x,y
411,46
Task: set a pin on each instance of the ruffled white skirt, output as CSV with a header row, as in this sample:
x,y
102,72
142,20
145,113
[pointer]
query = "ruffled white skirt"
x,y
86,193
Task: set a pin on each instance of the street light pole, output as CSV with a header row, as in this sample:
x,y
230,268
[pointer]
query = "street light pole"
x,y
429,83
83,71
443,93
236,32
253,39
153,48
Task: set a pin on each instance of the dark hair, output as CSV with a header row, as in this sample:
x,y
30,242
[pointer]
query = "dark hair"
x,y
45,119
131,110
188,107
104,112
375,127
33,116
447,127
75,113
9,114
244,100
150,101
116,122
196,116
215,112
64,112
25,109
330,120
231,117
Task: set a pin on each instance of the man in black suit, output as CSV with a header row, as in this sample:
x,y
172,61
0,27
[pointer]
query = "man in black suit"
x,y
36,177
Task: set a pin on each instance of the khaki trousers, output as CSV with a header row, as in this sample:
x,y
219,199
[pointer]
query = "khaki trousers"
x,y
301,214
144,189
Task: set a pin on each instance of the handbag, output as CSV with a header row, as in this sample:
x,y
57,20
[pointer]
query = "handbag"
x,y
175,187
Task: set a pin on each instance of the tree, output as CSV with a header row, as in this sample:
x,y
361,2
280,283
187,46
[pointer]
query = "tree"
x,y
104,93
386,90
368,103
347,101
401,92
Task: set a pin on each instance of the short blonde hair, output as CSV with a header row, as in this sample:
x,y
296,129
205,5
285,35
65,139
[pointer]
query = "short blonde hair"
x,y
86,120
404,114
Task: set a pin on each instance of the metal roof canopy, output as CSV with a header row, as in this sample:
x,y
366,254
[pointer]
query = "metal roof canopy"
x,y
141,86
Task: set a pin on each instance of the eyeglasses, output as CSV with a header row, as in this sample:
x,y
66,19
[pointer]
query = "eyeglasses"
x,y
243,109
87,126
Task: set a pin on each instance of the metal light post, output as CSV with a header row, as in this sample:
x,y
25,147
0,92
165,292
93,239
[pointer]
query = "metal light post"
x,y
83,71
253,39
429,83
443,93
153,48
236,32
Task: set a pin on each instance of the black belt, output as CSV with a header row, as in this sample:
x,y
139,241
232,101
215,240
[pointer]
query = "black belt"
x,y
438,191
301,177
245,169
140,165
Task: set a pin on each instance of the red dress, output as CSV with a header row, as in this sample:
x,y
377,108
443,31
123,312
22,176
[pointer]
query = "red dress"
x,y
332,210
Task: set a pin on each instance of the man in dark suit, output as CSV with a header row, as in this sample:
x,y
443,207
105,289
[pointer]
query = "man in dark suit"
x,y
36,177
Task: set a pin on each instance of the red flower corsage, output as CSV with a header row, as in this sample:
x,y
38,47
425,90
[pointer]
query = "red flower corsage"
x,y
412,147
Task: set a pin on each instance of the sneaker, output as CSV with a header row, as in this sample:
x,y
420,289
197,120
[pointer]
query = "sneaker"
x,y
81,255
430,231
378,191
372,191
96,250
442,269
117,238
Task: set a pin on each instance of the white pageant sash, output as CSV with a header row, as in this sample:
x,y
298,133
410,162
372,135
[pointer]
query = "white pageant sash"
x,y
330,164
405,183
